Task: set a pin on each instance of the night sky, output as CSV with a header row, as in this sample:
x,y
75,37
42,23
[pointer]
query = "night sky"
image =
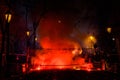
x,y
75,16
105,12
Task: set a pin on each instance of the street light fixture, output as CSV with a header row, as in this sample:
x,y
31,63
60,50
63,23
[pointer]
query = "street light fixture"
x,y
27,53
109,29
8,17
36,38
93,40
28,33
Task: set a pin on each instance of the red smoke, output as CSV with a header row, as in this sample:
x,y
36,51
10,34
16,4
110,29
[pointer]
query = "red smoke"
x,y
54,31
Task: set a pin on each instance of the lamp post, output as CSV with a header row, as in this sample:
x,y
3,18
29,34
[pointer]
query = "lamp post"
x,y
8,16
27,54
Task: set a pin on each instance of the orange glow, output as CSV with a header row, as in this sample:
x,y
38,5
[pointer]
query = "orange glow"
x,y
77,51
109,29
50,59
8,17
92,38
59,50
90,41
36,39
28,33
38,68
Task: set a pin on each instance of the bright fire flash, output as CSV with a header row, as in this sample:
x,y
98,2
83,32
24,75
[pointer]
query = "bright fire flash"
x,y
59,50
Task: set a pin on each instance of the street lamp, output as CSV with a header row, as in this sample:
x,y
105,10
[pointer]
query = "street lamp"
x,y
27,54
8,17
93,40
109,29
5,41
28,33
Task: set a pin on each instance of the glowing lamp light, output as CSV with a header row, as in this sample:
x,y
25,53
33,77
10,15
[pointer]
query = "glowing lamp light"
x,y
36,38
8,16
91,37
109,29
28,33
